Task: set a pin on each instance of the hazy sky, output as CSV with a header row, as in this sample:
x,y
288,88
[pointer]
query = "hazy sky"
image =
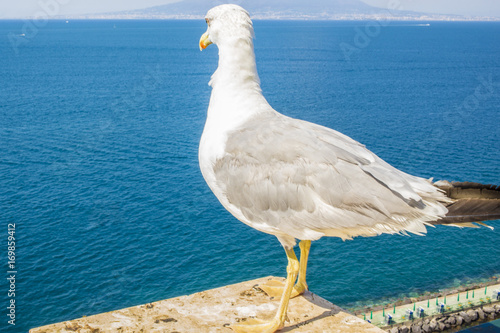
x,y
23,8
460,7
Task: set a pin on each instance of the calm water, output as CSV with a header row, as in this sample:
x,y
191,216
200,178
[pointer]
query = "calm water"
x,y
99,128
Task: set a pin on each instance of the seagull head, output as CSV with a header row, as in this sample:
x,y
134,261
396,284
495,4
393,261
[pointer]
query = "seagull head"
x,y
227,24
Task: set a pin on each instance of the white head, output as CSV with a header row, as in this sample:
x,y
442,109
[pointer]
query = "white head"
x,y
227,24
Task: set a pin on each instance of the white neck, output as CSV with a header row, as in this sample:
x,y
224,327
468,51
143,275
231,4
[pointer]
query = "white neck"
x,y
236,96
236,93
236,66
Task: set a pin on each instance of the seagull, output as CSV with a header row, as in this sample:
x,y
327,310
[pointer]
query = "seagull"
x,y
298,180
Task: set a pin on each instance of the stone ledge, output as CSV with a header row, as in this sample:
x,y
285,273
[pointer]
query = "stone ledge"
x,y
213,310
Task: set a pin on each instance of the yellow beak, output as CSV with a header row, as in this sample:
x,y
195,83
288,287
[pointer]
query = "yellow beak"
x,y
204,41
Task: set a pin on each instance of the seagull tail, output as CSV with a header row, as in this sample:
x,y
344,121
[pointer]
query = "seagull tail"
x,y
471,203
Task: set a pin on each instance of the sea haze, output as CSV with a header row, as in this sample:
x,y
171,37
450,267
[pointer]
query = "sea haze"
x,y
99,129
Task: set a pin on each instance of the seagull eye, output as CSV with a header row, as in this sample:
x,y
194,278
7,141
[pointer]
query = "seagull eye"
x,y
207,20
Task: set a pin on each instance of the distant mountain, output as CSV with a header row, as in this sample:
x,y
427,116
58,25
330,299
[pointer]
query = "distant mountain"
x,y
258,8
277,9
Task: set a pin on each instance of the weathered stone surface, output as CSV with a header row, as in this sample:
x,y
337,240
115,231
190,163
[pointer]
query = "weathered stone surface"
x,y
465,316
426,328
394,330
480,314
441,326
472,314
416,328
404,329
433,324
460,320
451,320
214,310
442,319
488,309
491,316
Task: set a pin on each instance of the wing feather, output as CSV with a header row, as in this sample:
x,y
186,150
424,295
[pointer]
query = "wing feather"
x,y
306,181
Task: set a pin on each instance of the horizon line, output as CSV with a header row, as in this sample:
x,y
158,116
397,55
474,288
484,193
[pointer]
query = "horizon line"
x,y
433,19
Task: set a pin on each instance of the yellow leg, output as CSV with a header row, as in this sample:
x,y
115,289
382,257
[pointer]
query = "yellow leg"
x,y
301,285
275,288
259,326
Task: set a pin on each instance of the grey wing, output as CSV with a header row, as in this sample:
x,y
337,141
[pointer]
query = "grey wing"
x,y
307,181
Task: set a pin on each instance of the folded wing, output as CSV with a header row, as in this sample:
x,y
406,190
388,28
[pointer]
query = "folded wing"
x,y
291,177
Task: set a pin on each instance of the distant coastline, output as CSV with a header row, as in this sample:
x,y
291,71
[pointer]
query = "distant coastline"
x,y
277,16
324,10
407,299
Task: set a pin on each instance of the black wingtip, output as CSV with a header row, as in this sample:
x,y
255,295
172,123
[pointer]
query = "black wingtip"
x,y
472,202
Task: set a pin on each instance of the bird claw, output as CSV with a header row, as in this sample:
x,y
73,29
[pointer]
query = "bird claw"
x,y
254,325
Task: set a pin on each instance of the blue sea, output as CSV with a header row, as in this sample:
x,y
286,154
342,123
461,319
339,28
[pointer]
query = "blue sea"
x,y
99,129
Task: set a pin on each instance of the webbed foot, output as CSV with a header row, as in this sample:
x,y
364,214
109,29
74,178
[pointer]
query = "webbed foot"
x,y
274,288
253,325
